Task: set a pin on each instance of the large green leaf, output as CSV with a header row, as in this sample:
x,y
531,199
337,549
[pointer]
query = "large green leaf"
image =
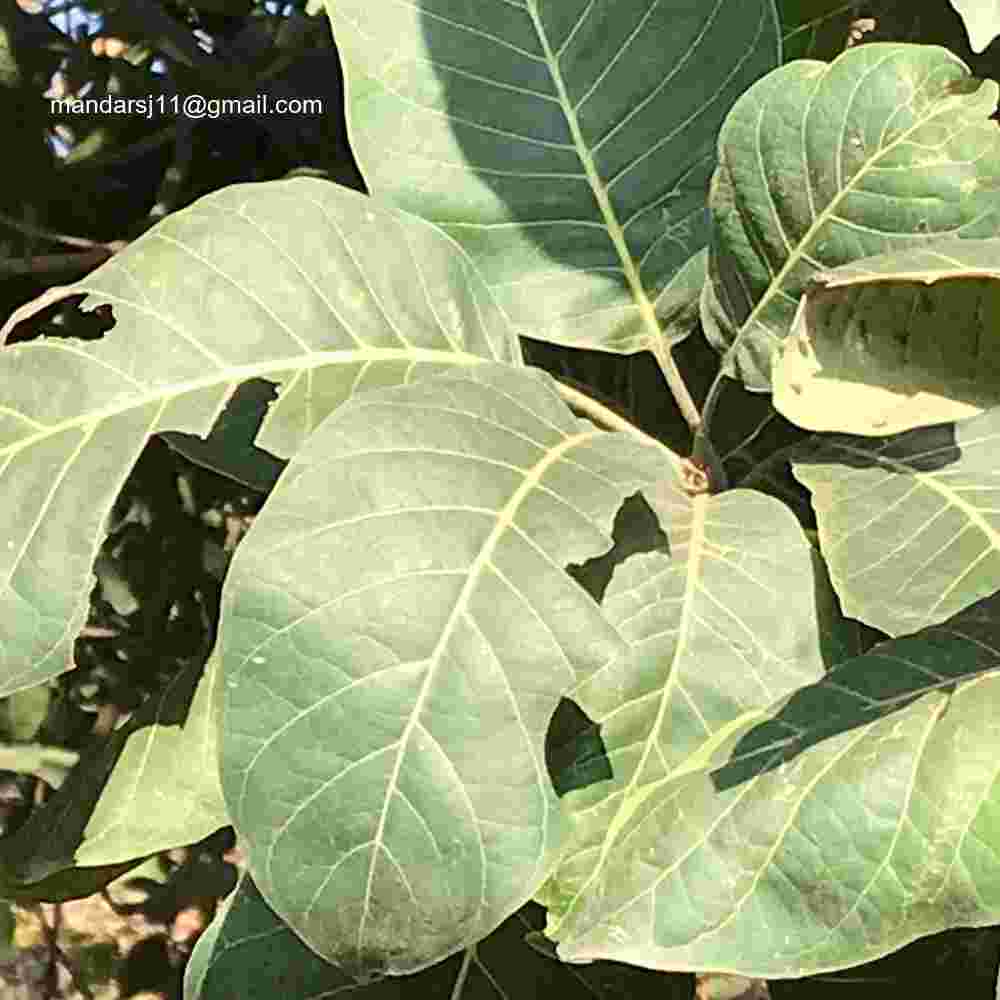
x,y
304,283
895,342
887,147
856,814
396,633
42,860
164,791
909,525
150,786
567,146
739,614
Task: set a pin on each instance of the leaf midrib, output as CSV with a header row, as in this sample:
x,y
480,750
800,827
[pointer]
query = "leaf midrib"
x,y
504,522
647,313
237,374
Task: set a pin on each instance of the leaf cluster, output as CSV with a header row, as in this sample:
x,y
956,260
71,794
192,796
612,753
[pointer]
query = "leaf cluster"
x,y
358,524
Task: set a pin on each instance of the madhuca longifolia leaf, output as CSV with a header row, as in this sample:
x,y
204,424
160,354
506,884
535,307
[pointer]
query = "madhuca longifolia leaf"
x,y
834,826
566,146
820,164
301,283
894,342
909,525
739,614
398,628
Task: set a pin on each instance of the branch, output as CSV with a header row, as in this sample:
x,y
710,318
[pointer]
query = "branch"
x,y
58,263
44,234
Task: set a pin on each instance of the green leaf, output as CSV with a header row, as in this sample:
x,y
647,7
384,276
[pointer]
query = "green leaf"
x,y
738,615
397,630
887,147
61,884
909,525
981,19
849,818
567,146
895,342
164,791
24,711
152,785
300,282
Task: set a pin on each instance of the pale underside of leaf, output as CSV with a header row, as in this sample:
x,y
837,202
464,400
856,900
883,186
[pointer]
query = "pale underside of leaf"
x,y
897,342
397,631
164,790
300,282
909,525
736,617
836,826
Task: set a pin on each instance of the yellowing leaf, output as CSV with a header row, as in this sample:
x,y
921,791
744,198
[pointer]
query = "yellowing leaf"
x,y
895,342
